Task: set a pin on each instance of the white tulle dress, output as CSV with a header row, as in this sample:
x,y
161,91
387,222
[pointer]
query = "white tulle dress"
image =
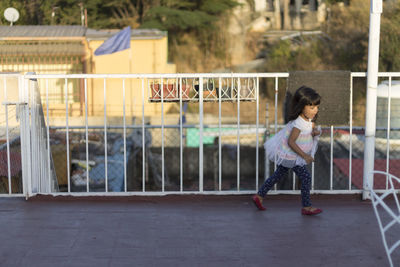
x,y
278,150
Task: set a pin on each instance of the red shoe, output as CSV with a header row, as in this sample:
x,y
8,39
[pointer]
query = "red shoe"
x,y
257,202
315,211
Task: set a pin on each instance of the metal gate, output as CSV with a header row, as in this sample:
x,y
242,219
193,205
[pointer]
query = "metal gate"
x,y
24,167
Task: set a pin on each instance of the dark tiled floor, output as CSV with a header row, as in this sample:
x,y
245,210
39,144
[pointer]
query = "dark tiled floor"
x,y
188,231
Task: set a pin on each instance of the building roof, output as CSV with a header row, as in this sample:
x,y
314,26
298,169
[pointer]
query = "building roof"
x,y
35,31
58,40
42,31
41,48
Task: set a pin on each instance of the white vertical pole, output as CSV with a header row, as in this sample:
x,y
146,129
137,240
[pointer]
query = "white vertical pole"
x,y
124,120
351,132
48,135
7,137
219,134
29,109
180,88
162,136
201,128
238,138
266,160
388,133
257,125
87,137
67,132
372,83
143,142
23,111
105,135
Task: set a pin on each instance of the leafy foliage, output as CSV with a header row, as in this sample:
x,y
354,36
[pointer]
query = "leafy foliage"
x,y
190,24
390,38
348,30
30,12
200,27
59,12
170,19
347,45
195,26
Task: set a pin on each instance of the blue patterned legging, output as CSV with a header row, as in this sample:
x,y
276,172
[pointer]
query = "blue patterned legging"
x,y
301,172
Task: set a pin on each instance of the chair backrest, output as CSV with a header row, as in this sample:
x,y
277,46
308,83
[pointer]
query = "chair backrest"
x,y
378,200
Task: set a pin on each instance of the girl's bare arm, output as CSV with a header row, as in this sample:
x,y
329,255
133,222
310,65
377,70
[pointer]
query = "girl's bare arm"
x,y
315,131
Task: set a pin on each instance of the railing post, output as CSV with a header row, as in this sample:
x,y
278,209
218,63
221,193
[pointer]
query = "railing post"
x,y
23,113
201,131
372,83
34,132
266,136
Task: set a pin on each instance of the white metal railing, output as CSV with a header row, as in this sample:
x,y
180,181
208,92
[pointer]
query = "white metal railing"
x,y
229,88
43,179
196,79
12,130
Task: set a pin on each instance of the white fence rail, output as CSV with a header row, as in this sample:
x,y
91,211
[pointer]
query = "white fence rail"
x,y
126,151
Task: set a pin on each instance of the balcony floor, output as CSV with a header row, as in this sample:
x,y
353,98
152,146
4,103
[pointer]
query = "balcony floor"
x,y
188,231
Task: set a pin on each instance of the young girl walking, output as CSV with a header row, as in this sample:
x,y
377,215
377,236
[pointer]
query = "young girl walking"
x,y
294,146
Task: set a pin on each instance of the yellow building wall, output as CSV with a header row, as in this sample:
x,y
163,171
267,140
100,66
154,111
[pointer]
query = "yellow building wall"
x,y
11,94
144,56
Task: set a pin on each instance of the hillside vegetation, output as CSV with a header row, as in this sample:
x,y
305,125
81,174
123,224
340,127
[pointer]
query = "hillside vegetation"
x,y
196,29
344,44
199,38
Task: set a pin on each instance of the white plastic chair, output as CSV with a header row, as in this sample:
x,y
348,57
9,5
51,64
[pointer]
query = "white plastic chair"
x,y
379,200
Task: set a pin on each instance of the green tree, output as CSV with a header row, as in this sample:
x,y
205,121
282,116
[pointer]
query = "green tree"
x,y
348,29
68,12
195,26
346,47
30,12
390,38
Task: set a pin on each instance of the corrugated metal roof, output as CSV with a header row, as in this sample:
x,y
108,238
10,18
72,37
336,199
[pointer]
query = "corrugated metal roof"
x,y
72,31
42,31
20,40
21,48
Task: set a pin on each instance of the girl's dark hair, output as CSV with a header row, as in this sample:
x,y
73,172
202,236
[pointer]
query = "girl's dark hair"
x,y
302,97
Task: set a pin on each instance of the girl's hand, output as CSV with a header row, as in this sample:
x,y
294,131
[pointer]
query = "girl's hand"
x,y
315,132
308,159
